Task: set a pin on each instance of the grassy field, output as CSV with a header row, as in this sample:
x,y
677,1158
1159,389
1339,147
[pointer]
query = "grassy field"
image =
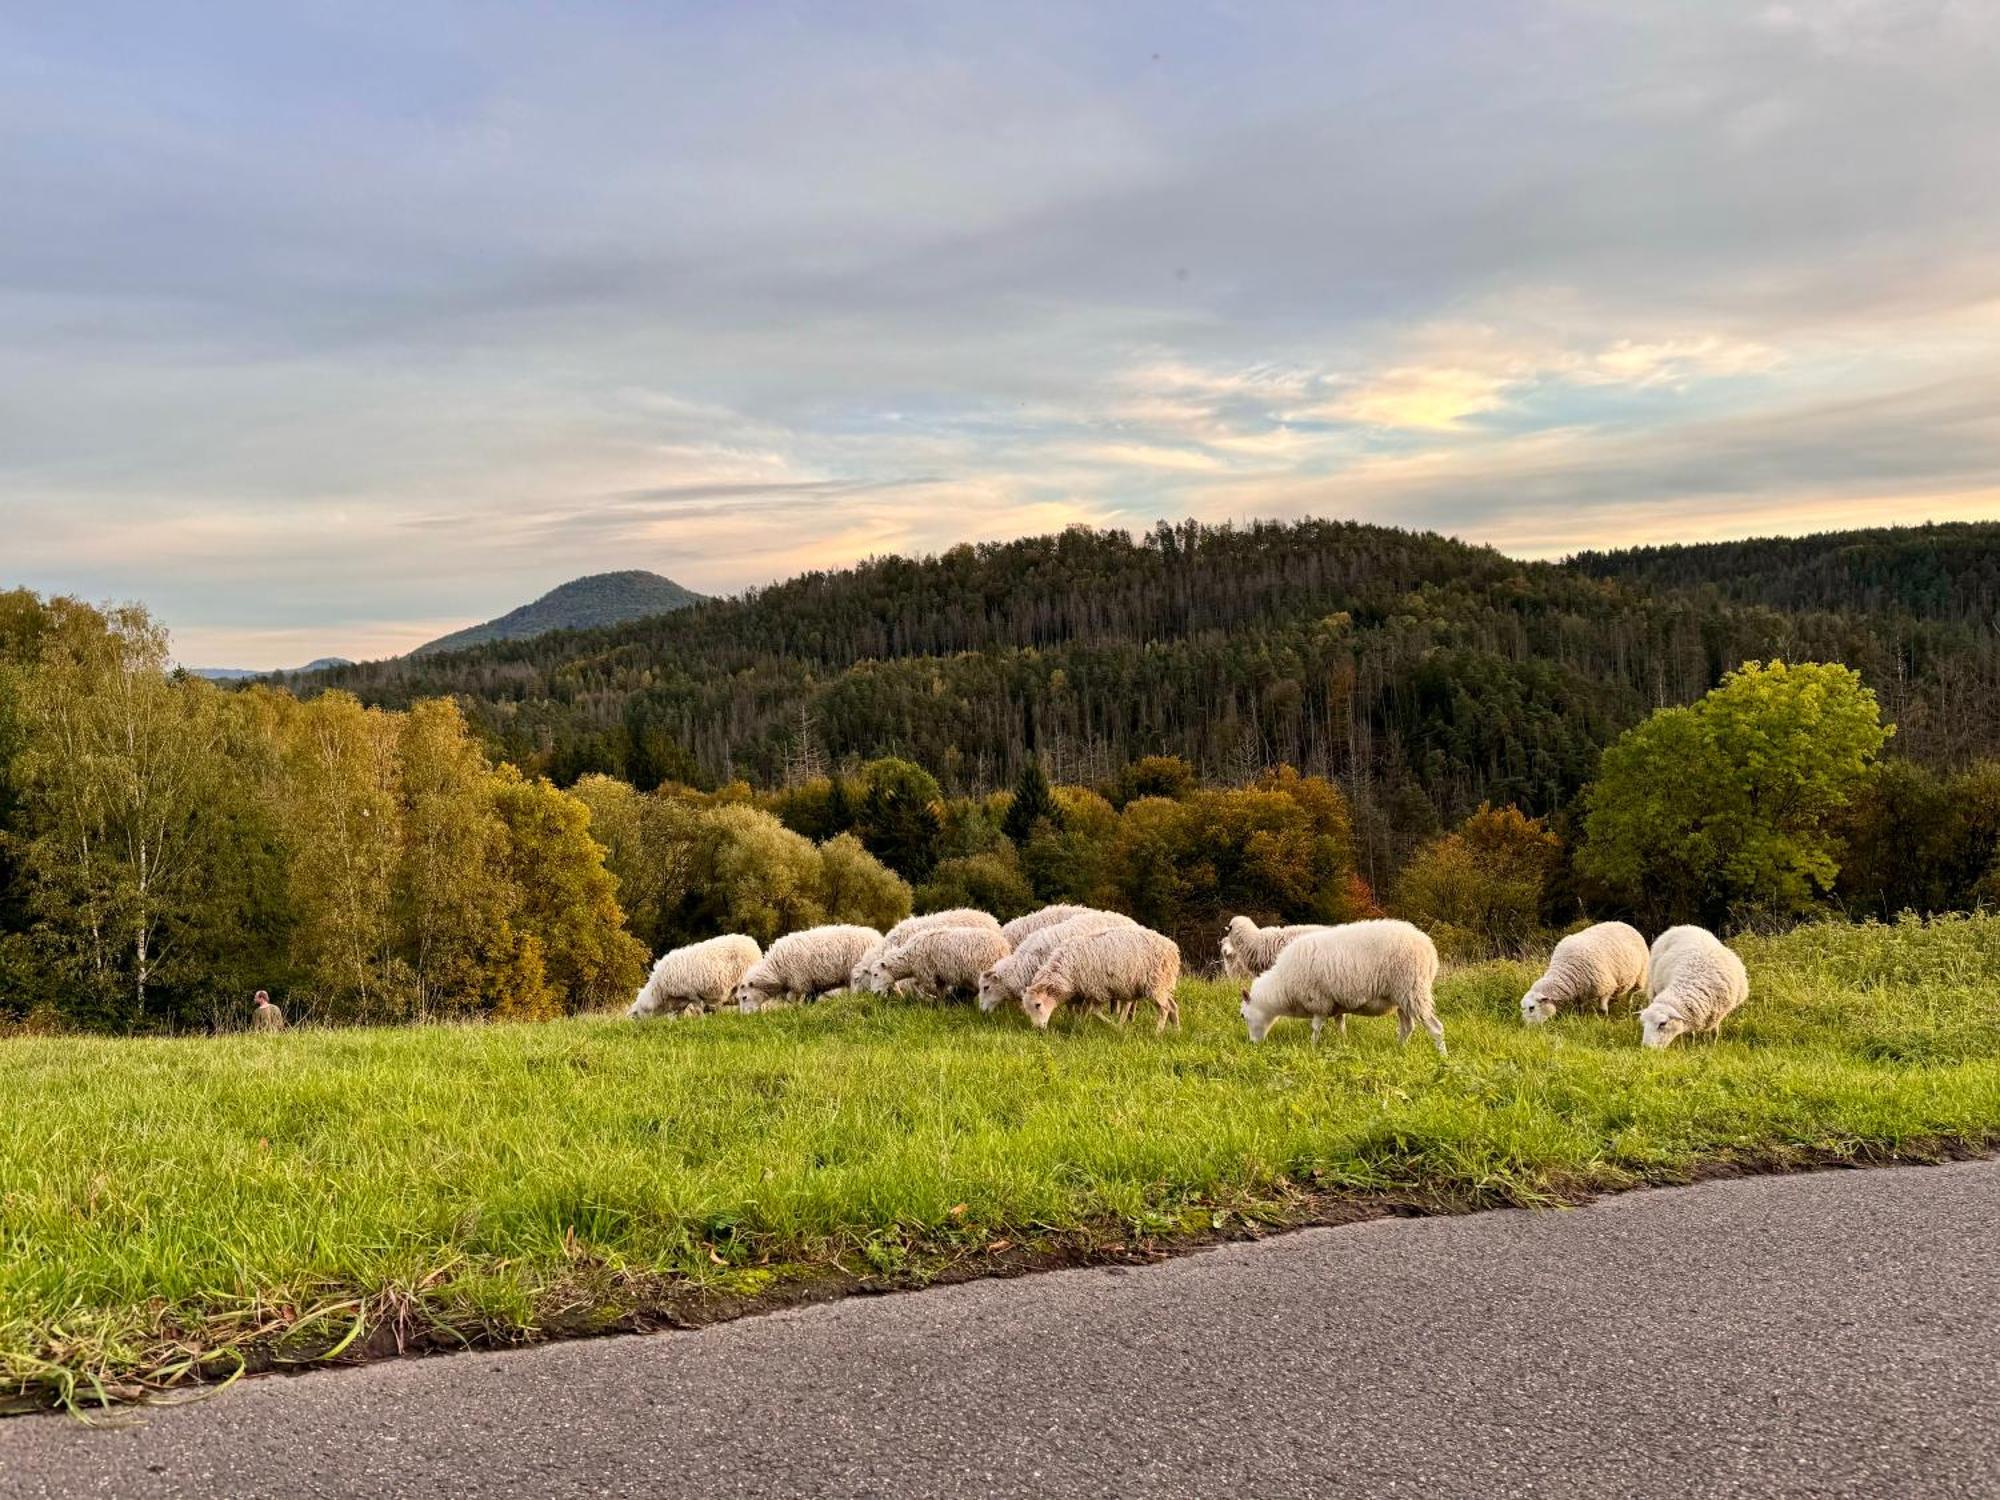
x,y
172,1210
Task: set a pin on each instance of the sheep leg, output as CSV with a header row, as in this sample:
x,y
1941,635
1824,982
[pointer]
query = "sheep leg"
x,y
1341,1026
1435,1027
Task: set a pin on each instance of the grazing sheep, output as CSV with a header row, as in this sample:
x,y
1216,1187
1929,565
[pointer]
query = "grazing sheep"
x,y
1248,950
958,916
1037,921
942,961
1116,968
1007,980
701,976
1593,965
804,964
871,973
864,977
1361,969
1693,985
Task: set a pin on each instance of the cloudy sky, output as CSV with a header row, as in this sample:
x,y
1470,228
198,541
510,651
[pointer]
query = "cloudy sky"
x,y
331,325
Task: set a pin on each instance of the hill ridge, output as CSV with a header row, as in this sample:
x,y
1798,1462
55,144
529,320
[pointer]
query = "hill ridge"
x,y
593,601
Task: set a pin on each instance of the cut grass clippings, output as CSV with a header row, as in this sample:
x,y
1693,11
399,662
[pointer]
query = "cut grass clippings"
x,y
173,1212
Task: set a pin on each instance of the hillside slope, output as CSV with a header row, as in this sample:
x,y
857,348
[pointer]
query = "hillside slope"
x,y
1936,572
581,604
1428,674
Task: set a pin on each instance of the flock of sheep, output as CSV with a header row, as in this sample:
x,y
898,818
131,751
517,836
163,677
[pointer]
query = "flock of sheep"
x,y
1108,965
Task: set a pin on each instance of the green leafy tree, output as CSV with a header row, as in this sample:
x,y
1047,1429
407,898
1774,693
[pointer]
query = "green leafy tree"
x,y
857,887
122,773
992,881
1731,807
1154,776
753,875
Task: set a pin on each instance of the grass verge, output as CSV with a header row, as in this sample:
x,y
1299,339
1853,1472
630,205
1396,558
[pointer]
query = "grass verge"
x,y
178,1211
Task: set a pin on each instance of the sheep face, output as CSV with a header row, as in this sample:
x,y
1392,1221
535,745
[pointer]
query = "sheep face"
x,y
1039,1004
1535,1010
1660,1025
993,992
749,999
638,1010
1233,966
1254,1017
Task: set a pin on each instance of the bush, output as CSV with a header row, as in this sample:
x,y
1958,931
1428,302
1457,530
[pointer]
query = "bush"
x,y
992,882
1479,890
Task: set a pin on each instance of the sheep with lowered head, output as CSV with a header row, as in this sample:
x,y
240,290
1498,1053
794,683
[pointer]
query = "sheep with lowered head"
x,y
1036,921
1588,967
871,971
698,977
1358,969
804,965
1248,950
1009,979
942,961
1693,984
1116,969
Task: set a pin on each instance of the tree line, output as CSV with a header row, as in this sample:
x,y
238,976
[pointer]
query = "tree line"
x,y
1426,676
167,846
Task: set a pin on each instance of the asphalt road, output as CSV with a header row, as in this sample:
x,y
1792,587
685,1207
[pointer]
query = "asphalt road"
x,y
1827,1335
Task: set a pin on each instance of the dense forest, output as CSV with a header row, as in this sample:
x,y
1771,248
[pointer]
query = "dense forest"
x,y
1426,676
1299,723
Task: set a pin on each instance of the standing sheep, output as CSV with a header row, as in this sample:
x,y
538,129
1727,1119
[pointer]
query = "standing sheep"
x,y
1037,921
1009,979
1116,968
1591,966
1248,950
1360,969
1694,983
943,961
698,977
804,965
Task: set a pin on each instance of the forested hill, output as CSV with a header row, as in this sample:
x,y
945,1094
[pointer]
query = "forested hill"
x,y
1428,674
1937,572
580,604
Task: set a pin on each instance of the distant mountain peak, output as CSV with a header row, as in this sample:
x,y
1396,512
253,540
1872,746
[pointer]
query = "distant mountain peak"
x,y
251,674
580,604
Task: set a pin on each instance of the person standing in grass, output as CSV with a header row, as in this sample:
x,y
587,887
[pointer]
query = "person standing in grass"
x,y
267,1017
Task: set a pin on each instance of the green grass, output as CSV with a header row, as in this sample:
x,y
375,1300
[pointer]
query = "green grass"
x,y
172,1209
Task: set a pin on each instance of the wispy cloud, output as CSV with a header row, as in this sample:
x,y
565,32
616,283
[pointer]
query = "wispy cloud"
x,y
327,330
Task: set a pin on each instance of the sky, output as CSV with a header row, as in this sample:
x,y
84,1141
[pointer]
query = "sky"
x,y
330,326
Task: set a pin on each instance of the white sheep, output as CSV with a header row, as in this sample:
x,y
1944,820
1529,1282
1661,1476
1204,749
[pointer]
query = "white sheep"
x,y
864,977
942,961
1038,921
1116,968
804,965
871,972
1009,979
1588,967
698,977
1361,969
1248,950
1693,984
958,916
